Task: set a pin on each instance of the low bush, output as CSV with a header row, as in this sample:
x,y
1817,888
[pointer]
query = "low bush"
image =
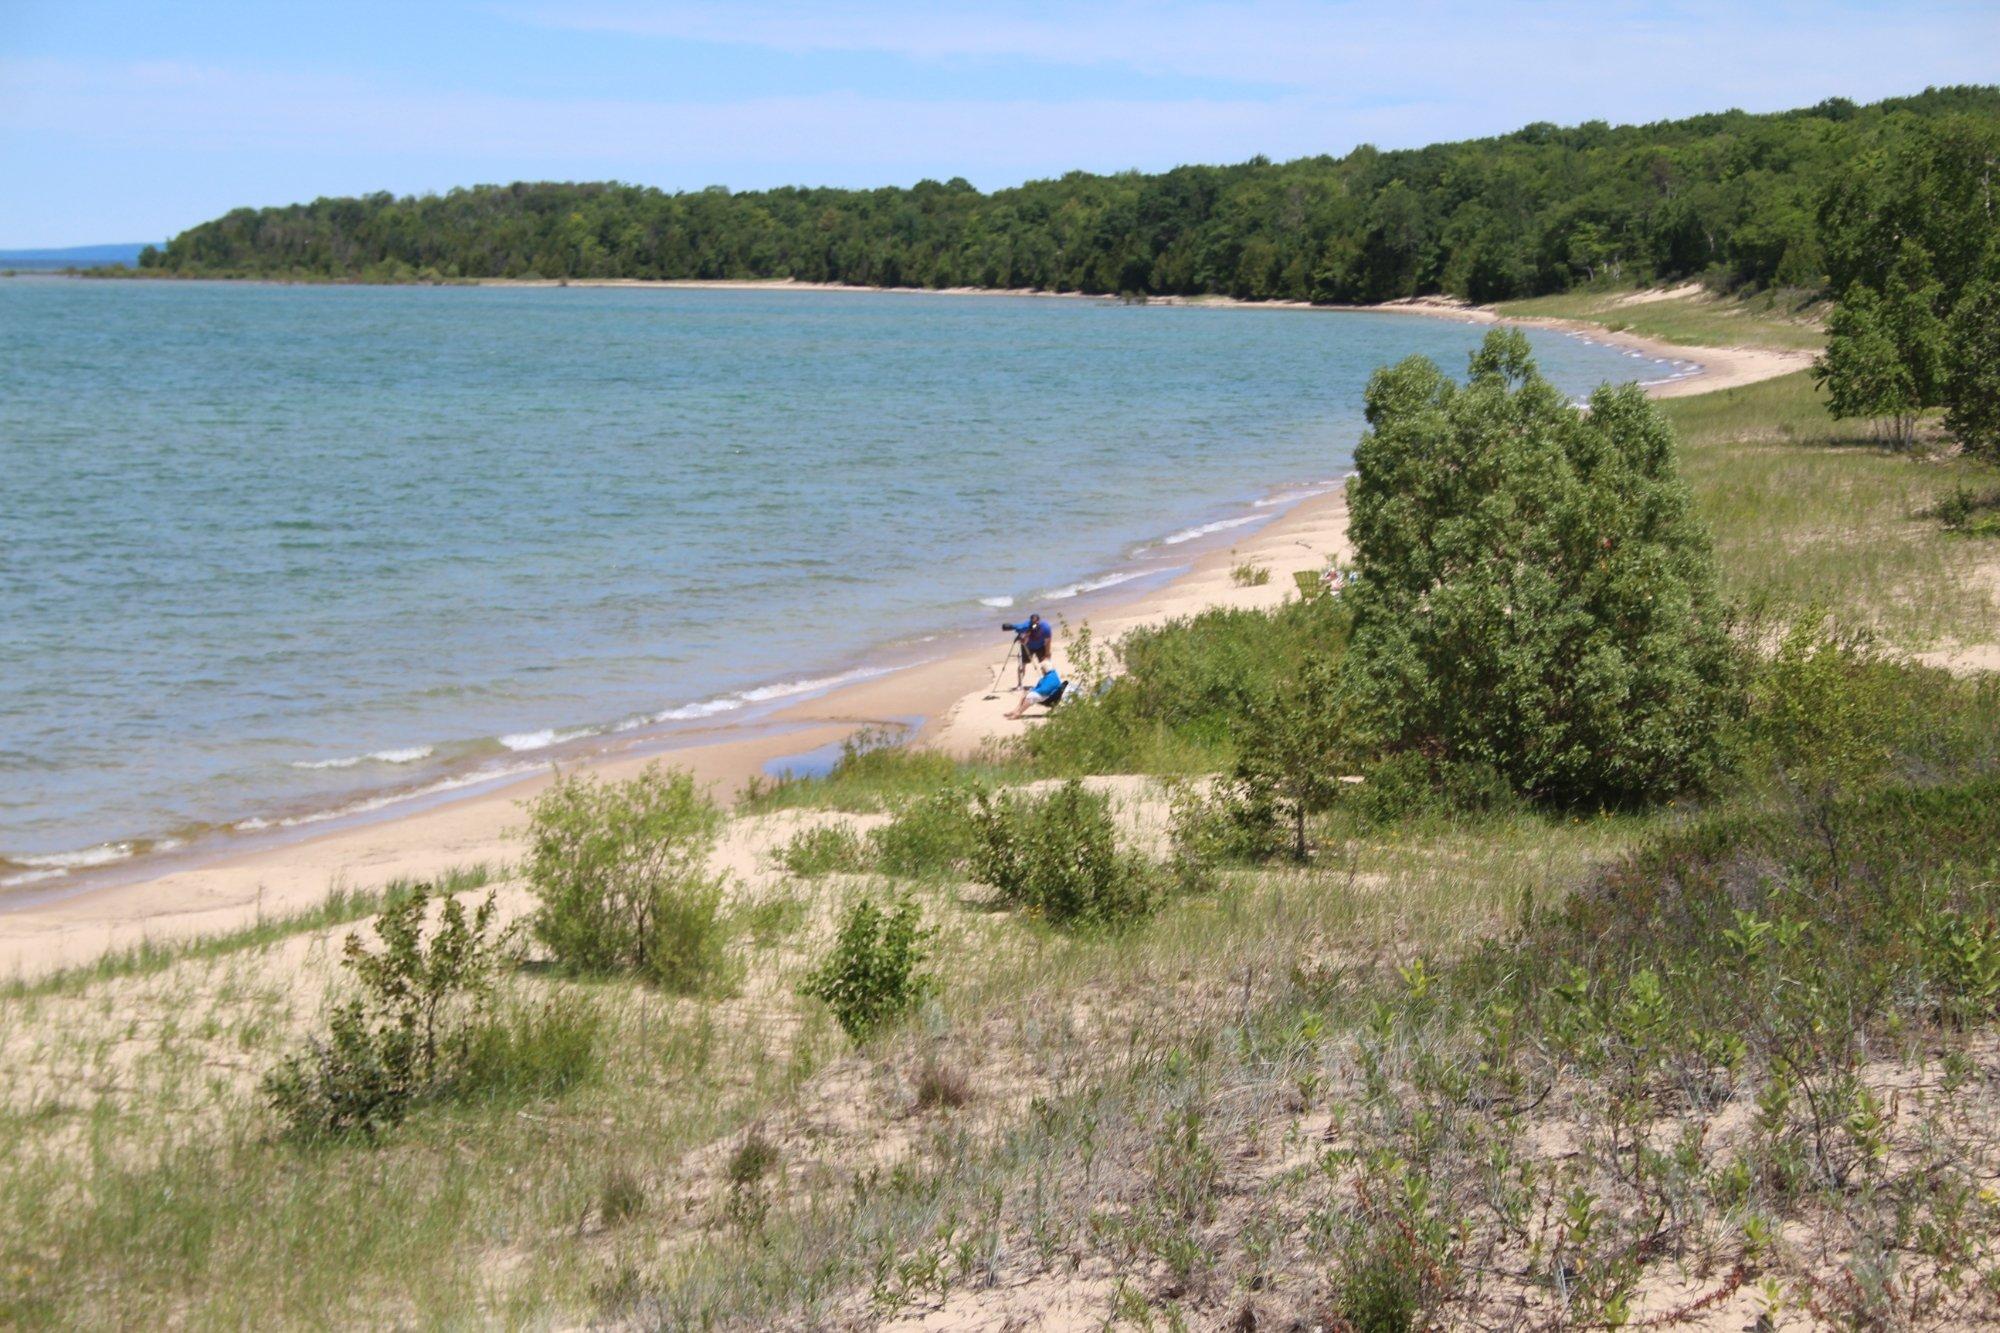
x,y
1969,512
621,870
1185,686
830,849
874,974
929,837
1057,856
419,1027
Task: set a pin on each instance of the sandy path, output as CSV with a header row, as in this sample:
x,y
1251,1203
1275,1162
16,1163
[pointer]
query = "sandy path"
x,y
231,890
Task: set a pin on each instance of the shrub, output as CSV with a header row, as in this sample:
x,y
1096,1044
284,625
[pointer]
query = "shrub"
x,y
622,1198
830,849
1186,684
1058,856
941,1086
873,975
928,837
1538,596
621,870
1215,826
1294,749
408,1034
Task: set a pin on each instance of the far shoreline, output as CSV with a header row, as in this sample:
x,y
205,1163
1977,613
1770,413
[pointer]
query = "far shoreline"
x,y
1717,367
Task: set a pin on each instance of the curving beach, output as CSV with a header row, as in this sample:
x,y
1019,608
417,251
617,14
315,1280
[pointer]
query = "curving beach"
x,y
217,887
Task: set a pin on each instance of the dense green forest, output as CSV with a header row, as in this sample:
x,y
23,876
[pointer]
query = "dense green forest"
x,y
1733,198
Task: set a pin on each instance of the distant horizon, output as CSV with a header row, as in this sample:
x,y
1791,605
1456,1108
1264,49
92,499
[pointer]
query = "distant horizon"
x,y
121,118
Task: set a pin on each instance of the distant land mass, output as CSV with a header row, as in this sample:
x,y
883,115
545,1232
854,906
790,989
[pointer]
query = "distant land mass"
x,y
1732,198
74,256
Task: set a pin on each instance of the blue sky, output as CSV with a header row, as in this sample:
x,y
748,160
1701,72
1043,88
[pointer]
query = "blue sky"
x,y
130,121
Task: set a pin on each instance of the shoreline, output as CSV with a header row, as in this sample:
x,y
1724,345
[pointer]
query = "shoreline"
x,y
216,889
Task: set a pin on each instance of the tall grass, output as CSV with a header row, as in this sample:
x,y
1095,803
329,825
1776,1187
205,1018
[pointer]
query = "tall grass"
x,y
1804,511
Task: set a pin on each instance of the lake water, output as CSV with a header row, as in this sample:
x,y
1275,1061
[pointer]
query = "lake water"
x,y
271,552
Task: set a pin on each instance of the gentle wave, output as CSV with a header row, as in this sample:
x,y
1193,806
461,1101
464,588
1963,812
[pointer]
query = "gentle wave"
x,y
56,865
407,755
102,855
1092,585
998,603
387,799
1220,525
522,741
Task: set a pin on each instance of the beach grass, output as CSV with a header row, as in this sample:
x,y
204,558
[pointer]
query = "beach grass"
x,y
340,906
1808,511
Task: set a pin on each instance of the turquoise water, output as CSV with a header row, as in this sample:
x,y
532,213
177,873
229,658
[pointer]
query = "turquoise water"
x,y
271,552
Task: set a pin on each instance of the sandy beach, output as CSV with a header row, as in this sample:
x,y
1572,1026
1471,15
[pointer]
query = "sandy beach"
x,y
949,694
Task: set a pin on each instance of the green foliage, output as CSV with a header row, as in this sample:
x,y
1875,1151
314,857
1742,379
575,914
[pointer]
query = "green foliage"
x,y
531,1051
929,837
1542,209
1185,687
1885,354
828,849
1914,246
873,976
1295,747
1972,385
410,1031
873,773
1057,856
621,870
1538,598
1964,510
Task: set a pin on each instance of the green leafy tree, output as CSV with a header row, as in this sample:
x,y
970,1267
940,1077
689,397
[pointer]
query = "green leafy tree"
x,y
1885,356
1537,596
1972,384
1861,370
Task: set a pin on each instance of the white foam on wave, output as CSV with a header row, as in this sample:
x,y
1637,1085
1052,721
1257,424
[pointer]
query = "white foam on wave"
x,y
704,708
1291,497
102,855
996,602
1092,585
1220,525
407,755
786,689
387,799
522,741
55,865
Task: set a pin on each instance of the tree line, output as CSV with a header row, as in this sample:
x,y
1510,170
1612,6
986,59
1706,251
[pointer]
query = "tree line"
x,y
1732,198
1913,256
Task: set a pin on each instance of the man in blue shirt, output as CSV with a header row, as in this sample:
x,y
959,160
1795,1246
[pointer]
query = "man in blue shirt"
x,y
1035,638
1046,691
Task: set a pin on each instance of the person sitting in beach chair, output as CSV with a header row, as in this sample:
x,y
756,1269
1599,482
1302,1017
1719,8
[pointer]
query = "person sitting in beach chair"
x,y
1048,692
